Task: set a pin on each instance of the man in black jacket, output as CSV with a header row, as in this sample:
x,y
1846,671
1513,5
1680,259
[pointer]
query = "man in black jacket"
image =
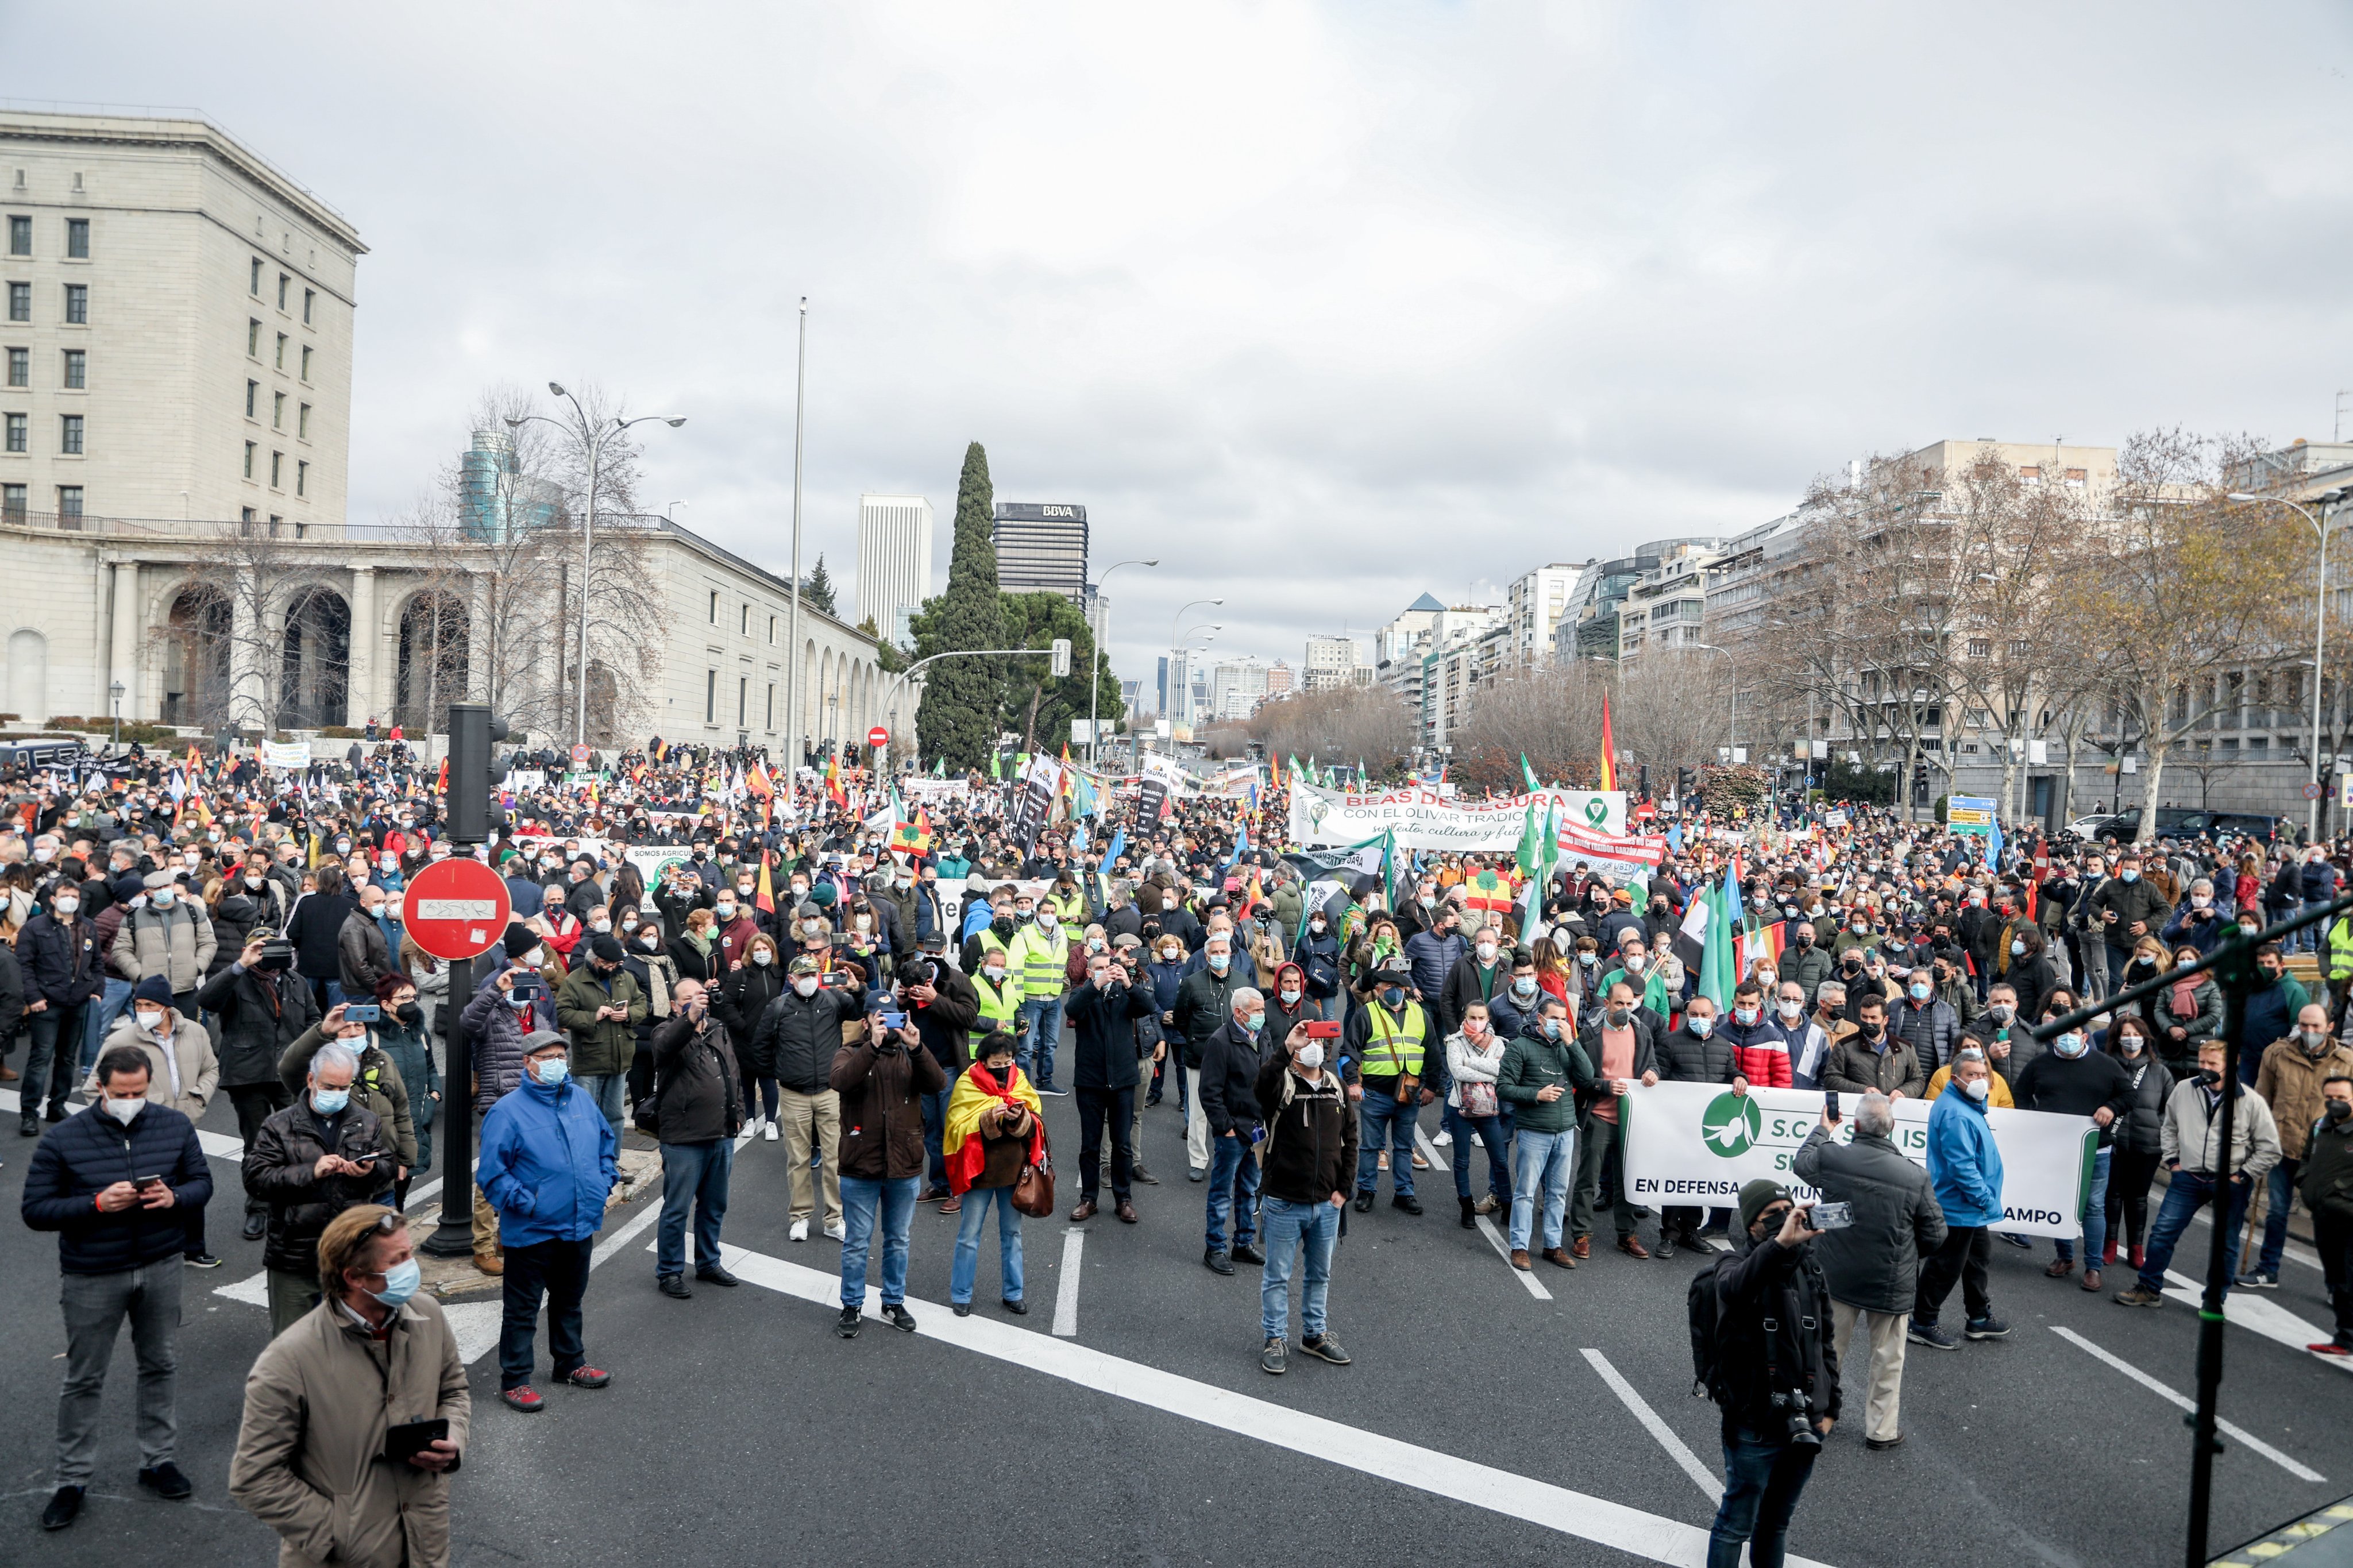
x,y
1777,1374
801,1033
309,1162
1872,1266
64,972
701,1101
944,1008
113,1183
1693,1053
263,1007
1104,1014
1310,1160
1204,1005
1230,1064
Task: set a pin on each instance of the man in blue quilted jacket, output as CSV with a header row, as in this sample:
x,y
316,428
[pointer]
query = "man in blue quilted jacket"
x,y
116,1183
547,1164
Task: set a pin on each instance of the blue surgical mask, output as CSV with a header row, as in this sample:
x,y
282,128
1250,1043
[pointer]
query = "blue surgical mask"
x,y
2069,1044
2127,876
328,1101
553,1070
1392,996
400,1282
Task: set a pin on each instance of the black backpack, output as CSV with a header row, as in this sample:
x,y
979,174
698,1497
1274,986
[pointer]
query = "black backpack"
x,y
1703,1303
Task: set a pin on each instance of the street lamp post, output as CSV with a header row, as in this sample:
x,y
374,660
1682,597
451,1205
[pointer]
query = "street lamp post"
x,y
792,642
2329,501
1093,743
592,437
1175,643
116,692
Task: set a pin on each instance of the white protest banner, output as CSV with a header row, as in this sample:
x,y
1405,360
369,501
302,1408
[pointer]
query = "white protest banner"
x,y
1614,859
1423,820
286,754
1695,1144
935,792
651,860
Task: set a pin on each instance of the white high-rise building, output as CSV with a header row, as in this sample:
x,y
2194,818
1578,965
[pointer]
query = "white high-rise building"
x,y
1536,600
1331,663
895,559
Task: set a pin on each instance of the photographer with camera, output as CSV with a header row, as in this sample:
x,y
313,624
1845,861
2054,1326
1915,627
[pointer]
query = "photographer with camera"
x,y
1872,1266
1764,1349
263,1007
881,1080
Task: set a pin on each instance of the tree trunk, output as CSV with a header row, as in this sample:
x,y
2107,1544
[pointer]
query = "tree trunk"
x,y
2158,750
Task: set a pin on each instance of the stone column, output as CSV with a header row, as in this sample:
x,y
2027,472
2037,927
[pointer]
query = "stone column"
x,y
123,655
361,680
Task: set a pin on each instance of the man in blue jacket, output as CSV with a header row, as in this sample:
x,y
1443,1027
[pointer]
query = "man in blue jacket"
x,y
1965,1167
547,1164
115,1183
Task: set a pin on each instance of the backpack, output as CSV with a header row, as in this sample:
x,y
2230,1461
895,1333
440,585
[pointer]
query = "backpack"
x,y
1702,1303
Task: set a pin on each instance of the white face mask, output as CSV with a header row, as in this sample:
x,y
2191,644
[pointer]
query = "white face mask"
x,y
533,959
1311,1055
805,985
122,1110
67,905
1977,1088
764,957
152,1019
1486,952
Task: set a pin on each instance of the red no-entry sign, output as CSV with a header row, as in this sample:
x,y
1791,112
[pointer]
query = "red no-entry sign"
x,y
457,909
878,737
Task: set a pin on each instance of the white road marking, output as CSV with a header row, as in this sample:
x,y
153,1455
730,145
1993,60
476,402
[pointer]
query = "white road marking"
x,y
2259,1315
1066,1290
1677,1449
1579,1514
1486,1227
2252,1443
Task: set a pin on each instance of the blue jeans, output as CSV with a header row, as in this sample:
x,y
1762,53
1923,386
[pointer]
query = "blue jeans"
x,y
1233,1190
1386,1121
863,1198
2187,1192
603,1089
694,1175
1495,1132
935,1127
2278,1193
2096,1216
977,1204
1287,1225
101,1015
1041,1031
1543,1161
1762,1479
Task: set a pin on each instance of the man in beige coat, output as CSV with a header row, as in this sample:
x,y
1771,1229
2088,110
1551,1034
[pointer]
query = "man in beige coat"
x,y
371,1356
183,1071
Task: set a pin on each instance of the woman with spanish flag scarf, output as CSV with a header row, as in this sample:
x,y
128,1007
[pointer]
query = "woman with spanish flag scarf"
x,y
993,1132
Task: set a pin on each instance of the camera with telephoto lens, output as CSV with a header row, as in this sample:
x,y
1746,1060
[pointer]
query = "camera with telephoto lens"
x,y
276,956
918,972
1791,1406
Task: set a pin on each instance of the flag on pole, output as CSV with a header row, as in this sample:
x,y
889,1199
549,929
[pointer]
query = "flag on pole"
x,y
1528,775
1610,753
833,786
913,837
1716,973
765,899
940,768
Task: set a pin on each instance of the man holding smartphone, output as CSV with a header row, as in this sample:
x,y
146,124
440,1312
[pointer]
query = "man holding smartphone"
x,y
1231,1060
1872,1266
321,1155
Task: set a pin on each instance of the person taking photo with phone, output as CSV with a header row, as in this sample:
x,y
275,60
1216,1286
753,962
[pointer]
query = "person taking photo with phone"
x,y
993,1133
1231,1060
356,1417
379,1087
1873,1265
1308,1162
881,1077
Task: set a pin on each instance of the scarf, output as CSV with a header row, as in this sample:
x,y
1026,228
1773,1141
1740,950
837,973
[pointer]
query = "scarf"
x,y
978,1090
2184,998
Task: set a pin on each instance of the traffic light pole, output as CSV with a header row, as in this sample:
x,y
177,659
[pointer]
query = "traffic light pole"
x,y
466,809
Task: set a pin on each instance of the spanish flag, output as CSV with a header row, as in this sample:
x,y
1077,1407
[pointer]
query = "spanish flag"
x,y
1609,749
840,797
913,837
765,899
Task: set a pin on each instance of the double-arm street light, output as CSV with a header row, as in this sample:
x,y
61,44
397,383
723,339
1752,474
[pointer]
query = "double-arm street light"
x,y
1175,643
1094,743
592,437
2330,501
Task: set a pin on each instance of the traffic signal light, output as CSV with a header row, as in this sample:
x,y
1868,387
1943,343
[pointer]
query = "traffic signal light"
x,y
473,810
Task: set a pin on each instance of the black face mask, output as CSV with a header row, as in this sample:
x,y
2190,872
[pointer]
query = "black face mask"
x,y
2209,1077
1002,925
408,1013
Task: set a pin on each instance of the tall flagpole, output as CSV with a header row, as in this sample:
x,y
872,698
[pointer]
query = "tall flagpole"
x,y
793,644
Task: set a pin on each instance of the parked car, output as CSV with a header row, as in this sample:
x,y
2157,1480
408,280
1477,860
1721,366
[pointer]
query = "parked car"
x,y
2180,821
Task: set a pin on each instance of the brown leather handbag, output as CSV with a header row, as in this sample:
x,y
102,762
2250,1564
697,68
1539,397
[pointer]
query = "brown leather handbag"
x,y
1033,1195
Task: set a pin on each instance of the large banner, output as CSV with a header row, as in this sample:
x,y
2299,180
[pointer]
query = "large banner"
x,y
1695,1144
1424,819
1039,785
286,754
1615,859
920,791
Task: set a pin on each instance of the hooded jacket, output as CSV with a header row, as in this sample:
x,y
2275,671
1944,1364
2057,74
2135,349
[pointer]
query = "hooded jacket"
x,y
797,1038
2191,1132
1310,1152
1773,1319
198,1072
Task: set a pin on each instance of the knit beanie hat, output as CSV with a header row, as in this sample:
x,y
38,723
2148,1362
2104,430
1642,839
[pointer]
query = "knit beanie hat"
x,y
1757,1196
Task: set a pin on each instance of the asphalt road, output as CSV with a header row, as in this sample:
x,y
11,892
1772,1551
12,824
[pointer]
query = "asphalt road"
x,y
1478,1423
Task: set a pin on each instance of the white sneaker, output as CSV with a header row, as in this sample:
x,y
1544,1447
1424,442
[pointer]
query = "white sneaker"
x,y
1444,1139
837,1230
768,1131
799,1231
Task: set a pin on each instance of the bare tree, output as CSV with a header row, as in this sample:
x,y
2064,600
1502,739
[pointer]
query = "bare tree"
x,y
268,609
1353,724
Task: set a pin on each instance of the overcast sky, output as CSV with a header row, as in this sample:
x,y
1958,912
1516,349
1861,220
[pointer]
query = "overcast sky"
x,y
1321,305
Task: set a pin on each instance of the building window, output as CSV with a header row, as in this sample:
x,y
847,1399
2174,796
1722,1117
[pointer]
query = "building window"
x,y
772,635
306,362
714,607
70,434
302,422
711,697
743,701
1981,648
771,721
257,277
20,367
743,621
282,281
2030,475
20,234
281,350
2076,477
78,238
19,424
77,370
277,470
20,301
309,296
252,340
78,304
13,501
301,476
69,506
253,400
277,411
248,459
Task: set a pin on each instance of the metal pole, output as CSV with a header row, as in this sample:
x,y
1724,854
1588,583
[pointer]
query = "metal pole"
x,y
2319,642
2204,1443
587,549
453,1236
793,647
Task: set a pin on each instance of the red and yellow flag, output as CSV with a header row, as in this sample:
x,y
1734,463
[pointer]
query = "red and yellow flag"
x,y
1609,749
913,837
765,899
840,796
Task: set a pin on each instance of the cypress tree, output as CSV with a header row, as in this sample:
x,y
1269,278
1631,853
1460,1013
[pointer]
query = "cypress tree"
x,y
957,720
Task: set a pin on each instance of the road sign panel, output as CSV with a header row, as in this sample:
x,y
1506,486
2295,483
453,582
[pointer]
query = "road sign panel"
x,y
457,909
